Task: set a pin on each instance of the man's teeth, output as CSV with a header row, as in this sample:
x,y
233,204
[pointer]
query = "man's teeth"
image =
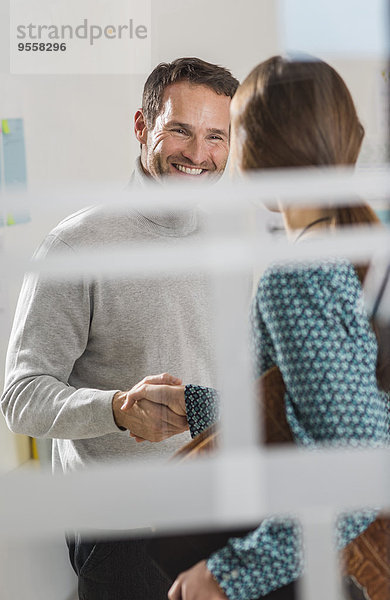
x,y
188,170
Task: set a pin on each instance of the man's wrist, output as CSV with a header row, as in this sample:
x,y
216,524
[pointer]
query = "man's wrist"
x,y
117,402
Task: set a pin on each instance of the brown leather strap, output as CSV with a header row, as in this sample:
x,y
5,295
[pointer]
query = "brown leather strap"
x,y
270,393
204,443
367,559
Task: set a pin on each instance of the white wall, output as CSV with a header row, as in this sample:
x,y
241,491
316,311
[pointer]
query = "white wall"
x,y
36,569
80,127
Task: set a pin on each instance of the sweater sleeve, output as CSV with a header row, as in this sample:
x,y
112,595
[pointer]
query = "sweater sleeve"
x,y
259,563
272,555
202,407
312,325
49,334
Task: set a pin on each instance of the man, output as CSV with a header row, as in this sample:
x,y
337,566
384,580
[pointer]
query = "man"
x,y
183,128
76,347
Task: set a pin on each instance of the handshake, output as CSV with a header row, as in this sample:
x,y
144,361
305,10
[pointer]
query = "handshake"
x,y
152,410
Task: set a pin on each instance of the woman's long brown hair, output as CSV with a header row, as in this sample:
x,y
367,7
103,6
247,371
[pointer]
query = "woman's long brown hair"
x,y
290,113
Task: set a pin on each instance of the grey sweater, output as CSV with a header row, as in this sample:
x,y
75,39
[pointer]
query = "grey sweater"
x,y
75,343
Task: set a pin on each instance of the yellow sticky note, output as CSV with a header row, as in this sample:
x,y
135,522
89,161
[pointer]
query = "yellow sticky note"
x,y
5,126
34,449
10,220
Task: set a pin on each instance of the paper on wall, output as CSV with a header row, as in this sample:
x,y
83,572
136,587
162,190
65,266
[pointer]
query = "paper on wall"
x,y
13,172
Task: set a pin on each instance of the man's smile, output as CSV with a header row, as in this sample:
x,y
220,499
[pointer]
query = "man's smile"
x,y
188,170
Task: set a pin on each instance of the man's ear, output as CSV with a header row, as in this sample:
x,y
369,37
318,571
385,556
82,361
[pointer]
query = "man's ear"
x,y
140,129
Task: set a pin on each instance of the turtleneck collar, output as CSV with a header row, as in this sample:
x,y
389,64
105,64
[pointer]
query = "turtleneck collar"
x,y
165,222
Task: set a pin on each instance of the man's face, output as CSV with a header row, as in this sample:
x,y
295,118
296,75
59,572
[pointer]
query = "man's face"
x,y
190,138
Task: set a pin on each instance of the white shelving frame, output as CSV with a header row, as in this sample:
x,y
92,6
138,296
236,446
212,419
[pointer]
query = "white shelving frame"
x,y
243,482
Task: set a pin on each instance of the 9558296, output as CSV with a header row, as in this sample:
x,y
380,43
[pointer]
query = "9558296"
x,y
41,47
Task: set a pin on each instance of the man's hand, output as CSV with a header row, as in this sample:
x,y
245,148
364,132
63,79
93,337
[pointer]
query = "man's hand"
x,y
196,584
169,395
148,420
162,378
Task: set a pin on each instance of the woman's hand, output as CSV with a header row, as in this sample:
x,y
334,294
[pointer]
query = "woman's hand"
x,y
196,584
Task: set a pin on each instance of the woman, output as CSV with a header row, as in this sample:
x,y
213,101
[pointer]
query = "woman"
x,y
307,320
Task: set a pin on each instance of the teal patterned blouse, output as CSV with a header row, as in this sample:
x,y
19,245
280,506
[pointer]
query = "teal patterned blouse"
x,y
311,323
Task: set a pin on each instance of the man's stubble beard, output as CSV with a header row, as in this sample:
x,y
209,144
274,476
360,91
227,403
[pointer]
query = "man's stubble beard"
x,y
158,170
157,166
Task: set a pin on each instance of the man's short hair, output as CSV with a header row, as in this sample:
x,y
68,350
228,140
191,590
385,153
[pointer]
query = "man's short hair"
x,y
193,70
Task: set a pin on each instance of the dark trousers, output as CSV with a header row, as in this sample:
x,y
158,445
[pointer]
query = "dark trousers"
x,y
142,569
116,570
138,569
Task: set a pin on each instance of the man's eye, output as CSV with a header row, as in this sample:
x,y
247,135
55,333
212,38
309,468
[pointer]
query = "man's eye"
x,y
215,137
181,131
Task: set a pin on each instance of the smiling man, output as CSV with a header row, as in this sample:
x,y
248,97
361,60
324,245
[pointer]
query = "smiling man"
x,y
78,346
183,126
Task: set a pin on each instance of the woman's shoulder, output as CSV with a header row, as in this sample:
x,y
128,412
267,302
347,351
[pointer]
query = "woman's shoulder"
x,y
324,279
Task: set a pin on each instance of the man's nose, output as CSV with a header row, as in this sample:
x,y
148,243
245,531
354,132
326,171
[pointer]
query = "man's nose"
x,y
195,150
